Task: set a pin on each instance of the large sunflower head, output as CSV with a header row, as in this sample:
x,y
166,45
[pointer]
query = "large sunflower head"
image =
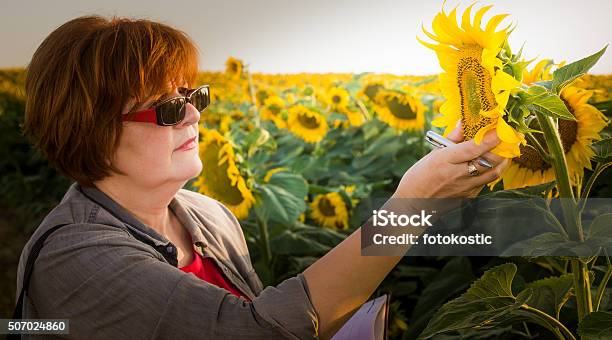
x,y
576,136
233,67
337,98
400,110
307,124
329,210
473,82
220,177
272,110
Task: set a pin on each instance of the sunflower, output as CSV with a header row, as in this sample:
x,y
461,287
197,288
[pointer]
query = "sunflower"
x,y
576,136
541,71
600,84
337,98
262,94
370,89
329,210
233,67
220,178
399,110
225,124
307,124
355,118
272,110
473,82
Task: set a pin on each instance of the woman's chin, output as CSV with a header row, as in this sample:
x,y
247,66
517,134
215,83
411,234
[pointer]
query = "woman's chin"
x,y
189,169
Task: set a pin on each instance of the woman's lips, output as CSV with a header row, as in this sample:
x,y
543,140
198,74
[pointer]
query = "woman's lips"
x,y
189,144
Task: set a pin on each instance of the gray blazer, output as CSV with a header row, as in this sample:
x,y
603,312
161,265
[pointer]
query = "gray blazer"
x,y
115,278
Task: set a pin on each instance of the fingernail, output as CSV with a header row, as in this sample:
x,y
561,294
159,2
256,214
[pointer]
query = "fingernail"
x,y
485,163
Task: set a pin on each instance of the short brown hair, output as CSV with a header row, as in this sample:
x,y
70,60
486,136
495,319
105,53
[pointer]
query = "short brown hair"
x,y
81,77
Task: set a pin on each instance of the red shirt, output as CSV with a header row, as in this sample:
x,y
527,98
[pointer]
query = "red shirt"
x,y
207,270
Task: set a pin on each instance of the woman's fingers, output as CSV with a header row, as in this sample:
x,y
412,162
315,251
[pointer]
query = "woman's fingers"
x,y
468,150
492,158
488,176
482,169
457,134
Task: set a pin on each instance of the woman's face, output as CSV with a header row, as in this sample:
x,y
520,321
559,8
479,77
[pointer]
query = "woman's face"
x,y
150,154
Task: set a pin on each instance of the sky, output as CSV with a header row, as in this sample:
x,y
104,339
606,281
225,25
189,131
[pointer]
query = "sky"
x,y
276,36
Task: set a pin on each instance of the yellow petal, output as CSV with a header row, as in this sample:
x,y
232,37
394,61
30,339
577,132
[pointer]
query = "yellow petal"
x,y
480,134
501,99
478,17
506,150
494,22
493,113
466,22
503,81
506,133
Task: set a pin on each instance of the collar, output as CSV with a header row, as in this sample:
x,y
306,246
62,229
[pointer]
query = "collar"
x,y
122,214
142,231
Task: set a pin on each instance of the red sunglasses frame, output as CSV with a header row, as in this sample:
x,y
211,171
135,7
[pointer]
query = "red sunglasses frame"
x,y
152,115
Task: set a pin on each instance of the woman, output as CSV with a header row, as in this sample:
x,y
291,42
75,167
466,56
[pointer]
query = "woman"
x,y
113,106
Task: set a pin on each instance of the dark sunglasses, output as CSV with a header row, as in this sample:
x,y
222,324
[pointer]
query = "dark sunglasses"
x,y
171,111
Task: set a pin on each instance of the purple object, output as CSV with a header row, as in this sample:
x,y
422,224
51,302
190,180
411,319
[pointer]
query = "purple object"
x,y
368,323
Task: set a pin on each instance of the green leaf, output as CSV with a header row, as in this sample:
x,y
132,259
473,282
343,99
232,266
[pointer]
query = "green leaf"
x,y
550,294
549,244
601,226
532,191
603,150
494,282
595,326
568,73
600,233
294,243
517,117
293,183
547,84
548,103
268,204
282,198
303,239
452,279
487,303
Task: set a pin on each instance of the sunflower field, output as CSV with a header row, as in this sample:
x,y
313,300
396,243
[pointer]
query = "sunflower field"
x,y
296,157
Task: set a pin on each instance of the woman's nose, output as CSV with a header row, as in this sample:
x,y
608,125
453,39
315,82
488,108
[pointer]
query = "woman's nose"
x,y
192,115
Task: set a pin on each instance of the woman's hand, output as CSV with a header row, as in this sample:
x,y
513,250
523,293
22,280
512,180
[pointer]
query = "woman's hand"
x,y
341,281
444,172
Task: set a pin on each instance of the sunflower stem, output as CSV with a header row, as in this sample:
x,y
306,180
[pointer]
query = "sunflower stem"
x,y
599,169
602,286
264,241
551,323
559,163
253,98
539,148
582,286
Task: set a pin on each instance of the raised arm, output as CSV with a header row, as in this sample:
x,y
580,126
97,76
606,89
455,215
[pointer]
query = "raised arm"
x,y
342,280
